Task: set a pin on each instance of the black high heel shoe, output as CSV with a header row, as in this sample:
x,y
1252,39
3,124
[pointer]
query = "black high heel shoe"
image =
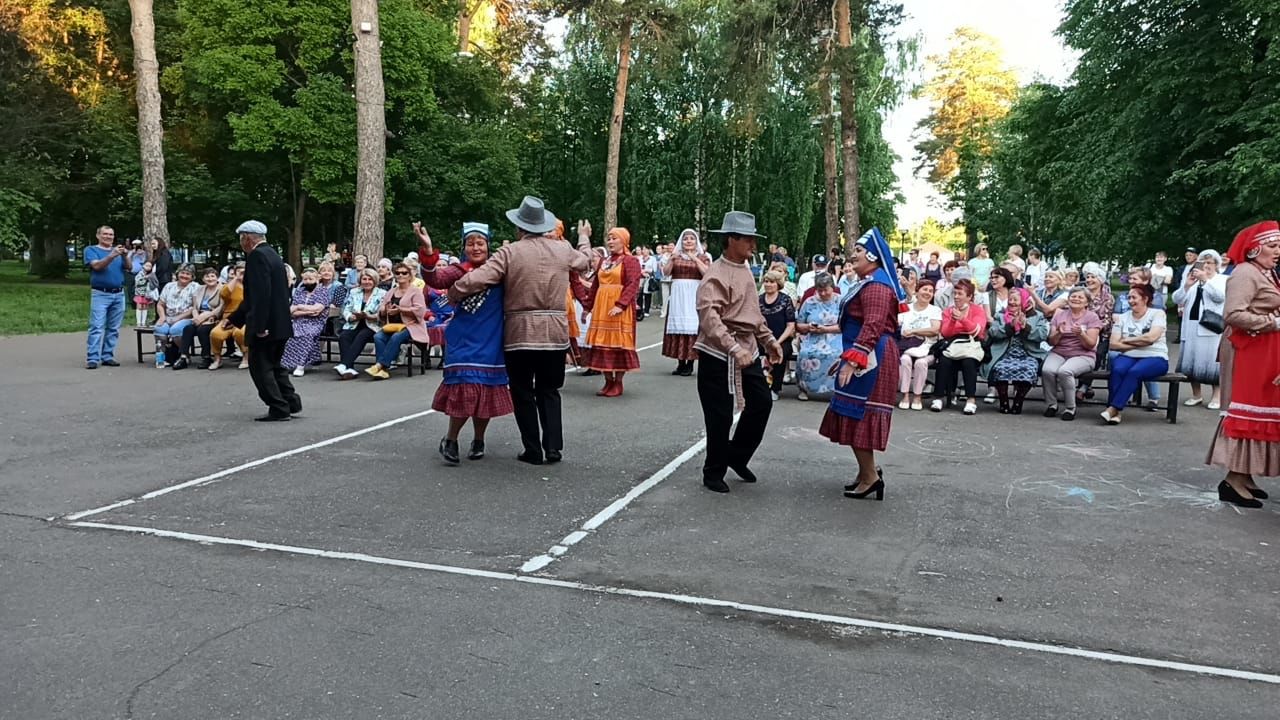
x,y
1228,494
854,486
877,487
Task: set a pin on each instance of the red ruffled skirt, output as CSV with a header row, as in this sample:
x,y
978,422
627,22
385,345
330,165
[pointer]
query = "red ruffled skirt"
x,y
472,400
869,433
436,334
679,347
610,359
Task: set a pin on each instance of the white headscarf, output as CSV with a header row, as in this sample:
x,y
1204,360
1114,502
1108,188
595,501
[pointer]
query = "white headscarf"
x,y
1206,254
680,242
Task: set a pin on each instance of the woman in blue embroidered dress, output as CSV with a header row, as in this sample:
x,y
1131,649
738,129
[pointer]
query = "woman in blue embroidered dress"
x,y
475,372
867,373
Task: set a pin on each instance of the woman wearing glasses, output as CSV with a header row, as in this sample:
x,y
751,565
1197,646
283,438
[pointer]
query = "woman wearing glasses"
x,y
403,314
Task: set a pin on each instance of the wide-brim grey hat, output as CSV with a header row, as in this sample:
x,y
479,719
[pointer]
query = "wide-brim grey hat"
x,y
738,223
532,216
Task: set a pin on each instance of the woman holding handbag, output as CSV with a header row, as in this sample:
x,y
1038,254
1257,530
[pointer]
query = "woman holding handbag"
x,y
964,325
919,327
1201,298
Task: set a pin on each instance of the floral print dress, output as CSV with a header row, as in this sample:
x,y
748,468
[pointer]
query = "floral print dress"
x,y
818,351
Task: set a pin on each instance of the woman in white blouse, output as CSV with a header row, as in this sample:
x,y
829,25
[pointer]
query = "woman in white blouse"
x,y
919,326
1201,298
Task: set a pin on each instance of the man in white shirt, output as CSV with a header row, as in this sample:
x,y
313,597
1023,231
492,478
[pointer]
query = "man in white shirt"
x,y
805,282
1034,275
1161,277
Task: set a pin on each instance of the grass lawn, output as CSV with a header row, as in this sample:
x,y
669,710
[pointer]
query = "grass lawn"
x,y
30,306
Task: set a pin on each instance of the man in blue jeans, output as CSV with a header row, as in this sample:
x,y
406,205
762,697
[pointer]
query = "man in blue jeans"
x,y
106,263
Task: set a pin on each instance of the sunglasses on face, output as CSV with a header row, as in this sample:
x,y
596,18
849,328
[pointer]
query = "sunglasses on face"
x,y
401,272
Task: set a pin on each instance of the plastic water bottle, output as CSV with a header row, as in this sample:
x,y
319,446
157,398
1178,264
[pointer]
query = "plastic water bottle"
x,y
159,358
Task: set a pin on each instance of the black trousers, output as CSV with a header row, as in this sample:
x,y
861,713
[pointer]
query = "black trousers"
x,y
717,413
946,377
273,383
353,342
189,335
644,302
536,377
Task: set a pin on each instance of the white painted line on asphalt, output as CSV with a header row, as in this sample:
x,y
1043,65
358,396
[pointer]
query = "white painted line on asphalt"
x,y
649,347
538,562
245,466
706,602
296,550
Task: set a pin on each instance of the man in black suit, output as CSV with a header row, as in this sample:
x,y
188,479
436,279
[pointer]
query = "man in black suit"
x,y
264,315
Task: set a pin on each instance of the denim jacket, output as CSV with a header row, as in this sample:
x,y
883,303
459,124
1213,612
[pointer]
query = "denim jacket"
x,y
370,309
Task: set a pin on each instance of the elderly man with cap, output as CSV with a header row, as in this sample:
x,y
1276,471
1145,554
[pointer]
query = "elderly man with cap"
x,y
805,282
731,331
264,315
534,273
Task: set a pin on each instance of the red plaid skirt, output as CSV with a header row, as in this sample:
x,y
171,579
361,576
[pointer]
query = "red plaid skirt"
x,y
610,359
679,347
467,400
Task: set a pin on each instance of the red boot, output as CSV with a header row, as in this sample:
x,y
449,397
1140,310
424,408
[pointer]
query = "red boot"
x,y
617,387
607,390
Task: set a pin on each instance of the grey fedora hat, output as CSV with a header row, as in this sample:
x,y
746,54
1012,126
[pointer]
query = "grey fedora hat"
x,y
532,216
737,222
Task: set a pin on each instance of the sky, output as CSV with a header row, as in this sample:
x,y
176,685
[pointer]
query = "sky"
x,y
1025,31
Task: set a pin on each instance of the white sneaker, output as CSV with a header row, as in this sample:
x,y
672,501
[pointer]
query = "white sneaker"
x,y
935,406
774,395
803,395
990,399
340,369
970,408
299,371
904,405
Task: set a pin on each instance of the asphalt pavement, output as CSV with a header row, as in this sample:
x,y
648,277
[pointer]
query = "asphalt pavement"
x,y
1019,567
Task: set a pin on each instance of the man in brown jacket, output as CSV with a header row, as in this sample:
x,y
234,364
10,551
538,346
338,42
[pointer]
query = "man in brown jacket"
x,y
731,331
534,273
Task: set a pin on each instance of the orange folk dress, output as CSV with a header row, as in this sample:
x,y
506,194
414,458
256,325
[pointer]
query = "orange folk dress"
x,y
612,339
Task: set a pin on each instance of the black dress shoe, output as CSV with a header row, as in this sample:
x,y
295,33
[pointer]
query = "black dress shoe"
x,y
1226,493
877,487
744,473
269,417
1260,494
111,363
715,484
295,407
477,450
554,456
449,450
531,458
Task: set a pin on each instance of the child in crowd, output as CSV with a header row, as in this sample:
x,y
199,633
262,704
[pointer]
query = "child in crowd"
x,y
146,290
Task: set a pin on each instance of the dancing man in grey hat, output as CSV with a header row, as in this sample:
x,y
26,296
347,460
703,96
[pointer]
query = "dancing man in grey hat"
x,y
535,277
731,331
264,315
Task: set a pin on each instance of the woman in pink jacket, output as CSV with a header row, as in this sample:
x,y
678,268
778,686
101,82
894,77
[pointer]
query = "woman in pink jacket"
x,y
403,315
965,322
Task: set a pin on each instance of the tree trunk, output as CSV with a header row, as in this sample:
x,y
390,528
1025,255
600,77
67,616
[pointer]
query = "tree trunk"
x,y
155,222
464,29
848,119
371,130
615,127
48,255
295,237
831,198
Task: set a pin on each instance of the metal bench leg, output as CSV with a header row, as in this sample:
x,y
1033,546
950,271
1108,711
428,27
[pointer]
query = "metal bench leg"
x,y
138,336
1174,402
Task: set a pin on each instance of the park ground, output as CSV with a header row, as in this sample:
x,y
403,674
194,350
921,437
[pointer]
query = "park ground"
x,y
161,556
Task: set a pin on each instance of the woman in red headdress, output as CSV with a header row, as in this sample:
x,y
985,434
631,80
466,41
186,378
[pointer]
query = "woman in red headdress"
x,y
612,299
1248,439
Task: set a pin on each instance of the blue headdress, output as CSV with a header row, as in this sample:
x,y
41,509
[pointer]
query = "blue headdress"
x,y
878,251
